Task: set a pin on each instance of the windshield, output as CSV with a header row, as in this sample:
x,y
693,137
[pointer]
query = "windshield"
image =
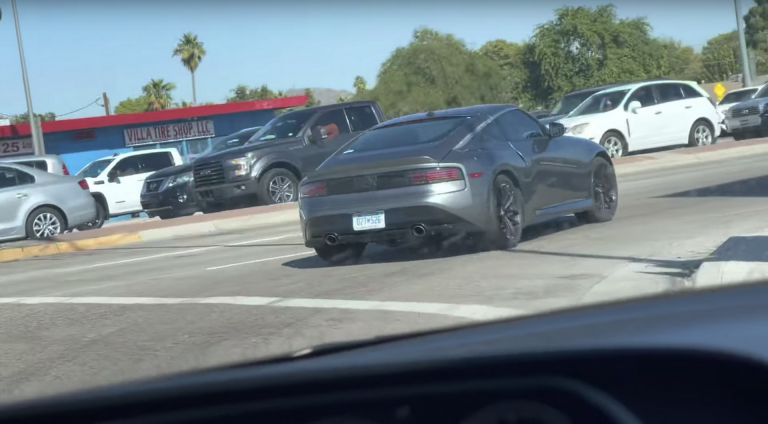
x,y
231,141
737,96
600,103
408,134
95,168
571,102
284,126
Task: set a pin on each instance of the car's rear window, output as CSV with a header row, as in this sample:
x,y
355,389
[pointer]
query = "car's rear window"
x,y
406,134
37,164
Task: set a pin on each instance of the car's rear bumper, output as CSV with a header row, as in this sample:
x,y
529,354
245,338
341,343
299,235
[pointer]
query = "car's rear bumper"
x,y
174,200
82,213
447,209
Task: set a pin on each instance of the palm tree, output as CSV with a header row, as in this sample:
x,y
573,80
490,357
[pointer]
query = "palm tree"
x,y
191,52
158,94
359,84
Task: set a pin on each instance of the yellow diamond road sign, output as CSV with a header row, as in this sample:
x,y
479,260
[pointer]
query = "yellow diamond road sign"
x,y
720,91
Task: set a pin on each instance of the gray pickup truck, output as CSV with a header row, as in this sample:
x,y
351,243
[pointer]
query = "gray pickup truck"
x,y
268,168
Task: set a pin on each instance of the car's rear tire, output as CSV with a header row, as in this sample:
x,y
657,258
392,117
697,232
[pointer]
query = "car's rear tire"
x,y
605,193
739,136
44,223
506,215
341,254
101,217
614,144
701,134
278,185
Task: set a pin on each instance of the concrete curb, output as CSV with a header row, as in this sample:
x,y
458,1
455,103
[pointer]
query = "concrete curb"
x,y
740,259
55,248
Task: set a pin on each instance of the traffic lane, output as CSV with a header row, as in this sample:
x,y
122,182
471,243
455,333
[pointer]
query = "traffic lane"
x,y
48,349
559,262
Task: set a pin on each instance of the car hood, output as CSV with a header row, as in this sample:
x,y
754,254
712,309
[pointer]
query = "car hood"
x,y
171,171
749,103
550,119
576,120
256,148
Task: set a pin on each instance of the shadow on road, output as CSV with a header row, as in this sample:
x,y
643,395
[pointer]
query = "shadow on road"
x,y
750,187
375,254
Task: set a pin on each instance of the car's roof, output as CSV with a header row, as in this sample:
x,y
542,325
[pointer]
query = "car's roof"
x,y
478,110
140,152
744,89
615,84
35,172
30,157
644,83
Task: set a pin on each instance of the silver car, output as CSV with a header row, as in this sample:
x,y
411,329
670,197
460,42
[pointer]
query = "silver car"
x,y
36,204
47,163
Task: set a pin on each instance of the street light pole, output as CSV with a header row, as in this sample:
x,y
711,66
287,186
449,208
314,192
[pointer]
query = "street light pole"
x,y
37,134
746,73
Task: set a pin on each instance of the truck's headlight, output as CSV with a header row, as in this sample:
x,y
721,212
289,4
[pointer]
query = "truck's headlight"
x,y
577,129
240,166
180,179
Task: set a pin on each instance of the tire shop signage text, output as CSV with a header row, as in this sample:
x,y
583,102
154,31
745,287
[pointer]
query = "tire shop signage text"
x,y
169,132
19,146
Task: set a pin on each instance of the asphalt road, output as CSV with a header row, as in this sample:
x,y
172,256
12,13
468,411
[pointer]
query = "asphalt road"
x,y
98,317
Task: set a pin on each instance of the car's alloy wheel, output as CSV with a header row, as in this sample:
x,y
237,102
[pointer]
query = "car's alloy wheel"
x,y
702,135
282,190
613,146
44,223
605,193
507,216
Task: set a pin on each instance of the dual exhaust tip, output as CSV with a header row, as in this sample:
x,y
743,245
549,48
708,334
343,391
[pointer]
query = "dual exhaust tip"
x,y
418,230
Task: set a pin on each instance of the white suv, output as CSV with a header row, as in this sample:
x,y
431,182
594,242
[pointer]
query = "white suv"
x,y
645,116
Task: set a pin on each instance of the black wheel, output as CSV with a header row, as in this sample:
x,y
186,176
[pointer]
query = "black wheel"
x,y
278,185
506,227
44,223
101,217
701,134
739,136
605,193
341,253
212,208
166,215
614,144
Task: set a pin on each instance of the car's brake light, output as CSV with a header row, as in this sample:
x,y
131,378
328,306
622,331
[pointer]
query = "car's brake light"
x,y
64,169
313,190
436,176
83,184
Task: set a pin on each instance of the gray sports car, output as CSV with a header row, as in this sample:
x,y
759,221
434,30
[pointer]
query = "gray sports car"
x,y
483,171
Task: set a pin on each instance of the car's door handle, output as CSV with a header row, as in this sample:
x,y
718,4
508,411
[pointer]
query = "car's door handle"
x,y
688,107
657,113
99,182
21,195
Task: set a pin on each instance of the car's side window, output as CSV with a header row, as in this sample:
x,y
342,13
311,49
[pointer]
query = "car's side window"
x,y
690,92
490,135
516,126
152,162
334,121
10,177
644,95
127,166
361,118
667,93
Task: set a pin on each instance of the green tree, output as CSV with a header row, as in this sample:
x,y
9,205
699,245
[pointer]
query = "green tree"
x,y
720,57
242,93
132,105
509,57
158,94
682,62
191,52
182,104
341,98
312,101
24,117
360,85
585,47
756,26
435,71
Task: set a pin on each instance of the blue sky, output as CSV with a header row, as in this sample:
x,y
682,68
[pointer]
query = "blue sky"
x,y
77,49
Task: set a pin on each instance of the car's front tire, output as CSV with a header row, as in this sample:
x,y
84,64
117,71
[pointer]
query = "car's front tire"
x,y
605,193
341,254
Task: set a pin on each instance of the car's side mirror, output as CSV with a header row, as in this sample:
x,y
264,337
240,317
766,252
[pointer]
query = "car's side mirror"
x,y
318,134
112,176
556,129
634,106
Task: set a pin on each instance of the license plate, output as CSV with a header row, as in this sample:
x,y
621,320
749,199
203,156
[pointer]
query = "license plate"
x,y
368,221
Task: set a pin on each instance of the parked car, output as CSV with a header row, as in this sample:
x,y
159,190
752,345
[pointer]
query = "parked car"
x,y
572,100
117,181
646,115
483,171
168,193
731,99
748,118
46,163
268,168
37,204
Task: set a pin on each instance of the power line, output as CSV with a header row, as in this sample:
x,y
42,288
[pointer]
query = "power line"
x,y
78,110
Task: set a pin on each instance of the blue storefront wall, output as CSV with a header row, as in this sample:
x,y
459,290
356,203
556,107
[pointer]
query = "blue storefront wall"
x,y
110,140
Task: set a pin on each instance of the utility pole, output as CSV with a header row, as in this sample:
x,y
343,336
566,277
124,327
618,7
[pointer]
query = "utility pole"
x,y
106,103
746,74
34,129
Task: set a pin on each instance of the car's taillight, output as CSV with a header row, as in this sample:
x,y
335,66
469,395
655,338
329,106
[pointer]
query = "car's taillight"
x,y
313,190
83,184
436,176
64,169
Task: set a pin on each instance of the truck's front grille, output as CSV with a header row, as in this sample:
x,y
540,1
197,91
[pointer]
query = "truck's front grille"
x,y
209,174
153,186
747,111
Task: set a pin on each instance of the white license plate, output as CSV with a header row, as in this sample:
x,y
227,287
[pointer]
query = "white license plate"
x,y
368,221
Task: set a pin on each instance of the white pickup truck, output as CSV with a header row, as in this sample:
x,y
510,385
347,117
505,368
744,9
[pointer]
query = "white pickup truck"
x,y
116,181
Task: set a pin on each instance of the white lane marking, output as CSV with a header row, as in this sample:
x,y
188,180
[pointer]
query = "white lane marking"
x,y
474,312
260,260
181,252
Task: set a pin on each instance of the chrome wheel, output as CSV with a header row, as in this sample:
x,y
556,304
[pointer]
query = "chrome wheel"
x,y
702,135
281,190
46,225
508,210
613,146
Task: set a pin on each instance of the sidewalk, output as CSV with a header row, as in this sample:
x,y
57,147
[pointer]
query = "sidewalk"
x,y
738,260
